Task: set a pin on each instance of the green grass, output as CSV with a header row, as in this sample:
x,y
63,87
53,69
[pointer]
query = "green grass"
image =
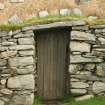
x,y
50,19
99,100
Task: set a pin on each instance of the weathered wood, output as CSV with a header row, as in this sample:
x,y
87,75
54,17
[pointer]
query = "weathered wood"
x,y
51,50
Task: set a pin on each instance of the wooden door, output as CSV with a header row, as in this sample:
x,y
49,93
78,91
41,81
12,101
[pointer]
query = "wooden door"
x,y
51,52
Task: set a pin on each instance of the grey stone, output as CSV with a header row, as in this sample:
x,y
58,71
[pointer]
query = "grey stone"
x,y
14,19
102,40
8,43
21,61
21,35
78,91
85,97
77,11
3,33
89,67
21,82
65,12
22,100
2,6
22,47
3,81
80,85
100,69
79,28
3,62
27,53
80,59
98,31
8,54
83,36
79,46
73,68
6,91
98,87
26,41
43,14
2,102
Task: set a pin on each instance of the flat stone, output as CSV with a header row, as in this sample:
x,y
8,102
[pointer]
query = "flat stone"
x,y
21,82
82,36
80,85
22,47
85,97
21,61
6,91
65,12
98,87
26,41
98,31
78,91
27,53
80,59
79,46
8,43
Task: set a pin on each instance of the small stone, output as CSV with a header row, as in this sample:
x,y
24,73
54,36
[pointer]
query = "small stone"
x,y
6,91
100,69
79,46
3,81
43,14
82,36
80,85
15,19
85,97
80,59
98,87
73,68
77,11
21,61
21,82
2,6
78,91
27,53
26,41
7,43
65,12
89,66
102,40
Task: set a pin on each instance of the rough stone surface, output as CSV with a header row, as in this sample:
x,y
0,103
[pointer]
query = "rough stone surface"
x,y
79,46
98,87
85,97
1,102
21,61
21,82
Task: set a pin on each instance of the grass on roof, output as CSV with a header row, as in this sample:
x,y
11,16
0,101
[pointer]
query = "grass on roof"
x,y
50,19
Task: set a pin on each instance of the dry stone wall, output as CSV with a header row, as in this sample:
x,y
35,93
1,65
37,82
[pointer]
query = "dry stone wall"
x,y
18,72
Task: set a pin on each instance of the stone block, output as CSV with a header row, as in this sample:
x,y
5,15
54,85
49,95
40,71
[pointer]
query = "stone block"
x,y
98,87
79,85
26,41
21,82
82,36
79,46
21,61
80,59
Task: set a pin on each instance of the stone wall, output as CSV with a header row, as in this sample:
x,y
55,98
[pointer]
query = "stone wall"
x,y
17,68
18,62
